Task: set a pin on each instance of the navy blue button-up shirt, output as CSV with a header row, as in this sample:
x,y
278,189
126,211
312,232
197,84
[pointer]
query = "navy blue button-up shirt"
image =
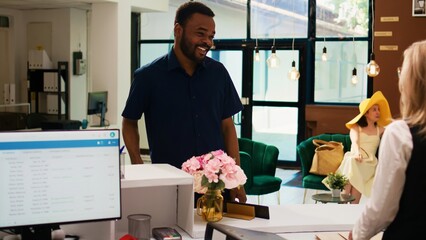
x,y
183,113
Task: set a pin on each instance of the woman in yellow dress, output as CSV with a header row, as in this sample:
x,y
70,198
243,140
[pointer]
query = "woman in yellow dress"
x,y
359,164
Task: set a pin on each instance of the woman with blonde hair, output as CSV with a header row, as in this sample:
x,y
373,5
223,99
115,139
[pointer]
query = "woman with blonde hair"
x,y
397,204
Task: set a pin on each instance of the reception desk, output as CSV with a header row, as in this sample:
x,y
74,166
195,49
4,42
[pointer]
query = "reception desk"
x,y
165,193
297,221
160,190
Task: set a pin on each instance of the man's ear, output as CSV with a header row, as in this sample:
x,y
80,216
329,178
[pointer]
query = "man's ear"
x,y
177,30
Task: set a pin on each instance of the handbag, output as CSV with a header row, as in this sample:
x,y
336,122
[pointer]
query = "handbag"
x,y
327,158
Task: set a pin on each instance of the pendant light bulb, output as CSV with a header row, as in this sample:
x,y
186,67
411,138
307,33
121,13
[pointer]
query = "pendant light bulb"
x,y
293,74
354,79
273,60
256,54
373,68
324,54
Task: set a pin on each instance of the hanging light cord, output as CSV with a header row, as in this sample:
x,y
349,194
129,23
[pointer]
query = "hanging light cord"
x,y
353,41
372,24
292,45
275,24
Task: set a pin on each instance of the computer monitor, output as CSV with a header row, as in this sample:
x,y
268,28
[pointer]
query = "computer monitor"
x,y
97,104
49,178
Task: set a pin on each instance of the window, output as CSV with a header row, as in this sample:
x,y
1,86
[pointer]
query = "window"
x,y
340,21
231,19
333,77
275,105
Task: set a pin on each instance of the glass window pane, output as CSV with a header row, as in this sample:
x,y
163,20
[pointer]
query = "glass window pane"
x,y
272,84
277,126
333,77
279,19
342,18
232,60
152,51
230,18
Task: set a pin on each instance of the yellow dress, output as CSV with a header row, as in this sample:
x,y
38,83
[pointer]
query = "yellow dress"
x,y
361,174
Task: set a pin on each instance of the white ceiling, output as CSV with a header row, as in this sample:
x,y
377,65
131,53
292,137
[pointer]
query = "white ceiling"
x,y
48,4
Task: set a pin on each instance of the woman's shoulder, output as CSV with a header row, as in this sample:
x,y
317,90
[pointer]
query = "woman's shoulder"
x,y
397,125
355,127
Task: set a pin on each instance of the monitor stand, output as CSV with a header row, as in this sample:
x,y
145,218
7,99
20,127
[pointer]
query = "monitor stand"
x,y
102,106
102,123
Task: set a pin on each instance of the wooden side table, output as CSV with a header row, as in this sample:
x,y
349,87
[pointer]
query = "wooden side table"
x,y
327,198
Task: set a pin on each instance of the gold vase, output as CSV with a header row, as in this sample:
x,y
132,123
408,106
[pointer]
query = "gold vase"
x,y
210,206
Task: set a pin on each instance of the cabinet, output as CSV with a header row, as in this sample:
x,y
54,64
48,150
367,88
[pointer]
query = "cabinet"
x,y
48,91
160,190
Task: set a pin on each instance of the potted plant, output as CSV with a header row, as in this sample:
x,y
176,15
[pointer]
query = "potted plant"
x,y
337,182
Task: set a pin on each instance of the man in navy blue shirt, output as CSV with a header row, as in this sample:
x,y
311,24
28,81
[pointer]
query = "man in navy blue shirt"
x,y
187,98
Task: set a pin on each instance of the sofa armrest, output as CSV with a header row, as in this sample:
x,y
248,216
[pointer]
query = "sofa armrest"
x,y
245,162
306,151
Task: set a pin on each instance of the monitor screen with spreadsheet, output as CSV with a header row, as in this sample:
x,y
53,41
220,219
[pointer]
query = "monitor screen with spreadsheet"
x,y
58,177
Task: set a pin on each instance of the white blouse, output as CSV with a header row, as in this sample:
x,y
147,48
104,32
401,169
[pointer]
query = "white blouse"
x,y
394,153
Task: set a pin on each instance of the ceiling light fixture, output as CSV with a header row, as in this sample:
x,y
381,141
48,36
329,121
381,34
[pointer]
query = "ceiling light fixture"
x,y
293,74
324,57
273,60
372,68
354,79
256,53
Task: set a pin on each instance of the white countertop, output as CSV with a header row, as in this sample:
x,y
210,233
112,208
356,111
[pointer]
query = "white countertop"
x,y
297,220
147,175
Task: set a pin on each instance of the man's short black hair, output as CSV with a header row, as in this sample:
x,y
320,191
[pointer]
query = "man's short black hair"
x,y
186,10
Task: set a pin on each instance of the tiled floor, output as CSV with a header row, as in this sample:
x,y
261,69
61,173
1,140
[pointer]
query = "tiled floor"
x,y
288,195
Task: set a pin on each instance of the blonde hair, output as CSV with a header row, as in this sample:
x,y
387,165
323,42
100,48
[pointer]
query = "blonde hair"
x,y
412,85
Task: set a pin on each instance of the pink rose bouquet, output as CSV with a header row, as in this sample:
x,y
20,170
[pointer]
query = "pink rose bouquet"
x,y
215,171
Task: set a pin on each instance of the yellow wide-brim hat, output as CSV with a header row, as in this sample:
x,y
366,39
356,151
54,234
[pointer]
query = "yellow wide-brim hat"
x,y
379,99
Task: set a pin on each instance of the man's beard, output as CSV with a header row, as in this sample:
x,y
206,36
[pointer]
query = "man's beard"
x,y
189,50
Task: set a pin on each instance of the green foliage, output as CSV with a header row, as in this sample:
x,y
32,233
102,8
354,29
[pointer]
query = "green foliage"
x,y
336,181
352,14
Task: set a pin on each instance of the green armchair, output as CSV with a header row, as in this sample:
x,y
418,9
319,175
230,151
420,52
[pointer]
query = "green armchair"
x,y
259,162
306,151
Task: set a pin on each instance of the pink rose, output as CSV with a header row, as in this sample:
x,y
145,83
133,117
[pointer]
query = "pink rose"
x,y
217,167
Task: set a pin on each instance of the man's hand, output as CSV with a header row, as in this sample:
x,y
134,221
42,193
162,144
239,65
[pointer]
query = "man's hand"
x,y
238,193
350,236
